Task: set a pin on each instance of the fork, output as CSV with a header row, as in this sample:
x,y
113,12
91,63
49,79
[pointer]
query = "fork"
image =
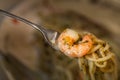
x,y
49,35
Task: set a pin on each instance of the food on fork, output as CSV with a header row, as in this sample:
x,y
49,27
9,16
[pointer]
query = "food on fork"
x,y
94,56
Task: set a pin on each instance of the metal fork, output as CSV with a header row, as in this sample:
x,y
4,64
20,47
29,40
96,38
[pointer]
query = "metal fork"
x,y
49,35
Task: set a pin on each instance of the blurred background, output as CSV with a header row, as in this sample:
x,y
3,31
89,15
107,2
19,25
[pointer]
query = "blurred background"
x,y
24,55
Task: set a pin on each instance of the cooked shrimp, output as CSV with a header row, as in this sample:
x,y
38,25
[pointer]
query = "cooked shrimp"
x,y
67,43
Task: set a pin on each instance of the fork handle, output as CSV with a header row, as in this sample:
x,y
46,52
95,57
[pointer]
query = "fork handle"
x,y
38,27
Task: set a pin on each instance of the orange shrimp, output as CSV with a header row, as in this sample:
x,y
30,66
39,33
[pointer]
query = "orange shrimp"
x,y
66,43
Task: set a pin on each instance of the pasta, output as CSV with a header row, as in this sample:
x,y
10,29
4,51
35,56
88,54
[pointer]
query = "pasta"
x,y
97,62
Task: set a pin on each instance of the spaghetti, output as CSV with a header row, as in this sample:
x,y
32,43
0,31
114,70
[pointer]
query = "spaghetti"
x,y
96,61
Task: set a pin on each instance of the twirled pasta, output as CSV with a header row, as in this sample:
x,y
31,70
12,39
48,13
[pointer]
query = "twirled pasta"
x,y
97,61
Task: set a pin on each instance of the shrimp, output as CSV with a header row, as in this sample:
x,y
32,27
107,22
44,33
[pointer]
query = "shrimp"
x,y
67,43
